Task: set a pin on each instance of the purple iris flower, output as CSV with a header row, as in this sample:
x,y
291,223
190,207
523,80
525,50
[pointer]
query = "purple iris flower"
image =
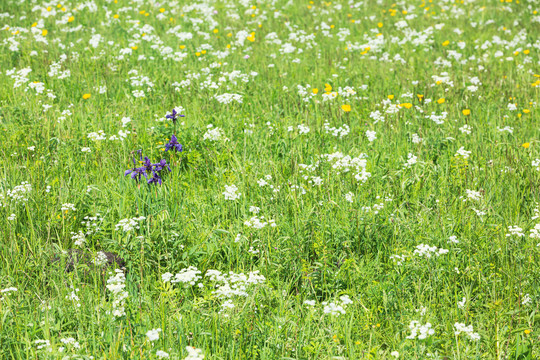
x,y
137,172
160,166
147,165
156,179
146,169
174,116
174,144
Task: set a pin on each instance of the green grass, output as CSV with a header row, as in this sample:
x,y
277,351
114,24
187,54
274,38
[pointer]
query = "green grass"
x,y
323,246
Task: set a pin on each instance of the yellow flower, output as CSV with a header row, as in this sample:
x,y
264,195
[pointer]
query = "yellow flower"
x,y
116,16
251,37
216,31
446,43
526,145
203,52
391,97
34,24
228,46
162,10
182,47
380,24
346,108
526,52
406,105
327,87
315,91
71,18
198,54
527,332
441,101
86,96
466,112
44,32
526,111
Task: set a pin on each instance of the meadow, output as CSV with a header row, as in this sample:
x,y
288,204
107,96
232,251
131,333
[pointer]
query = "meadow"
x,y
278,179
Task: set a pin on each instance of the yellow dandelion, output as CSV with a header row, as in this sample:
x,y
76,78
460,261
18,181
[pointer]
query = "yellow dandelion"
x,y
526,145
446,43
466,112
86,96
346,108
441,101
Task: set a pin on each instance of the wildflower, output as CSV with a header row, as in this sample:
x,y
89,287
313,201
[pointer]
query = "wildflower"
x,y
194,353
153,334
468,330
466,112
86,96
346,108
116,285
371,135
162,354
174,144
174,116
526,145
420,331
230,192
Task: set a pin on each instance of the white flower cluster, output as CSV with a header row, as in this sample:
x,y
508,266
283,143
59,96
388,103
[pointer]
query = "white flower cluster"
x,y
232,284
191,276
43,345
473,195
100,135
153,334
340,132
100,259
66,207
231,193
214,134
259,223
515,231
7,291
345,163
337,307
129,224
116,285
420,331
228,98
79,238
467,330
74,298
18,194
462,152
371,135
427,251
411,160
194,353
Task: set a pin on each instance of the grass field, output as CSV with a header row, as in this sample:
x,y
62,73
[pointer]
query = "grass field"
x,y
277,179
